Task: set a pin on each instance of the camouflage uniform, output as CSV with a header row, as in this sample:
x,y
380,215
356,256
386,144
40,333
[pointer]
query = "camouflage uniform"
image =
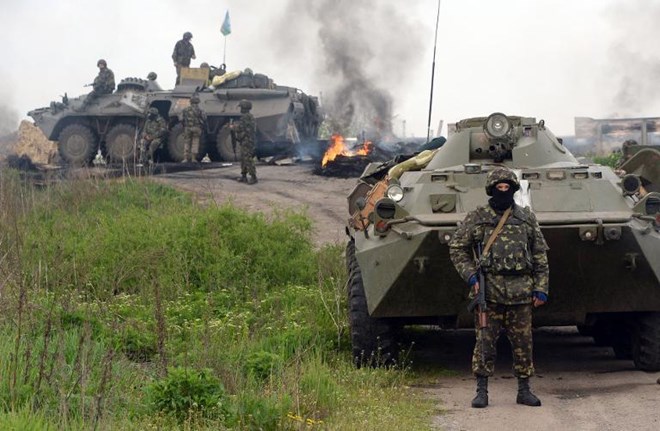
x,y
515,266
626,154
245,134
104,83
182,54
515,270
153,135
193,120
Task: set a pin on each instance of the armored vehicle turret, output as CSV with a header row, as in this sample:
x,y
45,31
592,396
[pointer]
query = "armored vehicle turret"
x,y
602,227
286,118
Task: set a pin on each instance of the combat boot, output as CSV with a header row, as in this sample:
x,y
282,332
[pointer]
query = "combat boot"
x,y
242,179
481,400
525,395
253,180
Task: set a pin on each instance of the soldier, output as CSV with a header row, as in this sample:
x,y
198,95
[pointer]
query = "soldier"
x,y
626,152
515,267
153,135
104,83
152,84
183,52
245,134
193,121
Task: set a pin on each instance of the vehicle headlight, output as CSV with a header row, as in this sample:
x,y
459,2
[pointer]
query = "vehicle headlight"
x,y
395,192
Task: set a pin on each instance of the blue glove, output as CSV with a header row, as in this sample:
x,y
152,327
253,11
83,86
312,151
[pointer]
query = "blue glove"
x,y
472,280
540,295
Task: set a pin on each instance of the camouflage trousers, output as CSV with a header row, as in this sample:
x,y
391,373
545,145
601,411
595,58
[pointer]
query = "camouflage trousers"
x,y
247,160
147,148
516,322
191,137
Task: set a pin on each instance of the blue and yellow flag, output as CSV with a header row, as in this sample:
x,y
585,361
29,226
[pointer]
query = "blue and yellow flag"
x,y
226,25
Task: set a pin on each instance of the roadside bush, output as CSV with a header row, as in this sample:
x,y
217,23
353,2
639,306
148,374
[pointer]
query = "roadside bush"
x,y
263,413
186,393
262,364
610,160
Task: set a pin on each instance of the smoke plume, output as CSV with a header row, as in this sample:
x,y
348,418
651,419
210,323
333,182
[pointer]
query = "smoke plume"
x,y
635,57
362,52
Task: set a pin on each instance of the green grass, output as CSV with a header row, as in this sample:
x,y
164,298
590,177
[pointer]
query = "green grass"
x,y
125,305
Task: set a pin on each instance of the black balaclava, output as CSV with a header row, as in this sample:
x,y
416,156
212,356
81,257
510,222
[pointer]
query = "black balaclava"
x,y
501,200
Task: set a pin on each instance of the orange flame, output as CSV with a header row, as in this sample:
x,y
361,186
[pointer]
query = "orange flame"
x,y
338,148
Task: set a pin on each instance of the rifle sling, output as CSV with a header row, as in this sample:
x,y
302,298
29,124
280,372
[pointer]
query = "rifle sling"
x,y
496,232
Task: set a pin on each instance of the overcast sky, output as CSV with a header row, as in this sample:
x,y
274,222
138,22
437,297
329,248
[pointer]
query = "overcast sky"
x,y
551,59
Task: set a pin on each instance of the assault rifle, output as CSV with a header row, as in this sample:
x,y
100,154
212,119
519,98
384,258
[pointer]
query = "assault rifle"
x,y
479,300
232,135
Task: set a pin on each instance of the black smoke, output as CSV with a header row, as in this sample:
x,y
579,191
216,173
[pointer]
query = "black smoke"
x,y
635,57
362,52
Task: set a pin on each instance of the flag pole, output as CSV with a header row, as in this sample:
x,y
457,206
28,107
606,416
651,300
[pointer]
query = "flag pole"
x,y
224,53
435,44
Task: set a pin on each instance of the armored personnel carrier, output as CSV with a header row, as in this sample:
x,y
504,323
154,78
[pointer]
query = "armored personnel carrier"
x,y
603,229
286,118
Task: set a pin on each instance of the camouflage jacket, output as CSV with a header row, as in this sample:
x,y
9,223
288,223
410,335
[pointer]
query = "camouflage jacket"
x,y
245,131
193,116
516,264
154,129
183,52
104,83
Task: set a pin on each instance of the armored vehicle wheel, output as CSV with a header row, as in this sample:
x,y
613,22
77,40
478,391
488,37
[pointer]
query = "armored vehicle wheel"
x,y
121,143
225,147
646,342
77,144
175,144
372,339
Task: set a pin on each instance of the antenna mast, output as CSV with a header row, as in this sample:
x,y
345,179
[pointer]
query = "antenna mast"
x,y
435,45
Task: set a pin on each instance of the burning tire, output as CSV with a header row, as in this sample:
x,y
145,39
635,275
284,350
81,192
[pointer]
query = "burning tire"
x,y
646,342
372,339
121,142
77,144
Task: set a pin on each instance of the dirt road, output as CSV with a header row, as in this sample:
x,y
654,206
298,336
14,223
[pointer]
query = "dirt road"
x,y
279,187
583,387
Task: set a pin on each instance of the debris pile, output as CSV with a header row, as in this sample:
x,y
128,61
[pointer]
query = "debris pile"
x,y
33,144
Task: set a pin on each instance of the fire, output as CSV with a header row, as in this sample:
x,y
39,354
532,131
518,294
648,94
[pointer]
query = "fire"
x,y
338,148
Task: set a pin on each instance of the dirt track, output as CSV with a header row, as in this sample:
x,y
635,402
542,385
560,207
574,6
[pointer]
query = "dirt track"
x,y
583,387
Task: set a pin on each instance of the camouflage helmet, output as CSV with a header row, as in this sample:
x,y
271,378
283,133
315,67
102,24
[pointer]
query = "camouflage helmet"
x,y
245,105
153,111
629,143
102,62
194,99
152,76
187,35
205,65
501,175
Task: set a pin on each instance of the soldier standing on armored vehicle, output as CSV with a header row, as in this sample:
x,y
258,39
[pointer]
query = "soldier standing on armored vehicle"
x,y
193,121
153,135
514,266
104,83
245,134
183,52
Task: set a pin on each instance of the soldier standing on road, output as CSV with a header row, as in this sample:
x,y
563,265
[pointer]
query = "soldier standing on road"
x,y
183,52
153,135
516,274
193,121
245,134
104,83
